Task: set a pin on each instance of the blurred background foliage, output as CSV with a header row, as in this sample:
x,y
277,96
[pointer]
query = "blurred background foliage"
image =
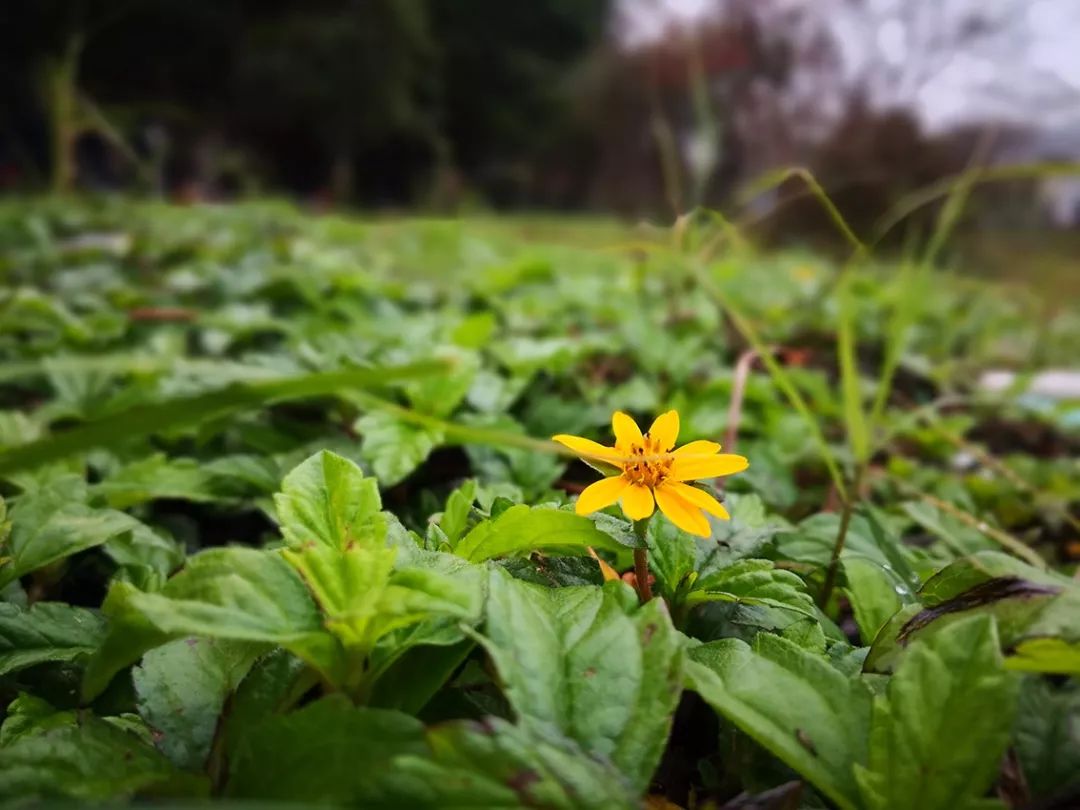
x,y
641,108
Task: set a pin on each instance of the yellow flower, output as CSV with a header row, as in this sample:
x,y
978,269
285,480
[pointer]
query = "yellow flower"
x,y
652,468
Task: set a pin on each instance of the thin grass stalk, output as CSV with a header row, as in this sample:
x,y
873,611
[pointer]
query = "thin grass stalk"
x,y
838,547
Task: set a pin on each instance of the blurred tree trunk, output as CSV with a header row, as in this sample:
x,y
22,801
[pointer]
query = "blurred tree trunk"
x,y
341,176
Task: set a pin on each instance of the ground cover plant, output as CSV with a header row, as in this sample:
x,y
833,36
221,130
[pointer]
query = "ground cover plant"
x,y
283,521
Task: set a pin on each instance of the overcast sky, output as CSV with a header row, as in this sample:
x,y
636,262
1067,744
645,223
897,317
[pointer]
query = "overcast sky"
x,y
1023,67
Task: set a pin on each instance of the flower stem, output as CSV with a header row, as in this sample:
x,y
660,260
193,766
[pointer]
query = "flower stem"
x,y
641,563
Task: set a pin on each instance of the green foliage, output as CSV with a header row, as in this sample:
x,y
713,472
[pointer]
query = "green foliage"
x,y
48,631
181,689
326,501
83,758
794,703
1046,735
312,543
939,731
230,593
1037,612
329,751
521,529
584,661
54,522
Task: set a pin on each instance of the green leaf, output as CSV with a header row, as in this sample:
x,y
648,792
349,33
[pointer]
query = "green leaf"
x,y
960,538
181,689
792,702
584,661
455,516
327,500
938,733
682,561
156,477
395,448
1046,735
328,751
273,684
754,582
1037,612
48,631
523,529
440,394
146,420
813,539
146,557
495,764
54,522
87,759
231,593
873,595
414,677
1048,655
363,599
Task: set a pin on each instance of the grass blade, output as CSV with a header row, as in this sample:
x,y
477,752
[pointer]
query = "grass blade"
x,y
145,420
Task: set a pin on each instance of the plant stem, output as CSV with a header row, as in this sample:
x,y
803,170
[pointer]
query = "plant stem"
x,y
641,563
841,536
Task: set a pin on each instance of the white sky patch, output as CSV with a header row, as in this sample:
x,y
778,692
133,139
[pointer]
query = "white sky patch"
x,y
1021,66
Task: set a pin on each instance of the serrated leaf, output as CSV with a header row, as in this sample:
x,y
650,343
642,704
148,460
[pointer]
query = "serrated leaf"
x,y
48,631
327,752
938,733
90,760
327,500
754,582
495,764
181,689
54,522
394,448
363,599
522,529
585,661
145,557
1046,735
682,561
273,684
231,593
157,477
792,702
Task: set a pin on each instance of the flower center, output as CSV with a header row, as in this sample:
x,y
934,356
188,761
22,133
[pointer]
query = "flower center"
x,y
646,464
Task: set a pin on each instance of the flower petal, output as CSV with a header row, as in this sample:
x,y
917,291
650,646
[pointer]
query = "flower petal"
x,y
587,447
699,498
627,433
665,430
690,469
681,512
600,494
609,573
698,448
637,502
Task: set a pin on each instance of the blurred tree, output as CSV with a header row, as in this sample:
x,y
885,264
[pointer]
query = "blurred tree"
x,y
337,80
364,97
505,72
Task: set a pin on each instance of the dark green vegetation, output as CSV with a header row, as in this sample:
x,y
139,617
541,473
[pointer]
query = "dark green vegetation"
x,y
282,521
